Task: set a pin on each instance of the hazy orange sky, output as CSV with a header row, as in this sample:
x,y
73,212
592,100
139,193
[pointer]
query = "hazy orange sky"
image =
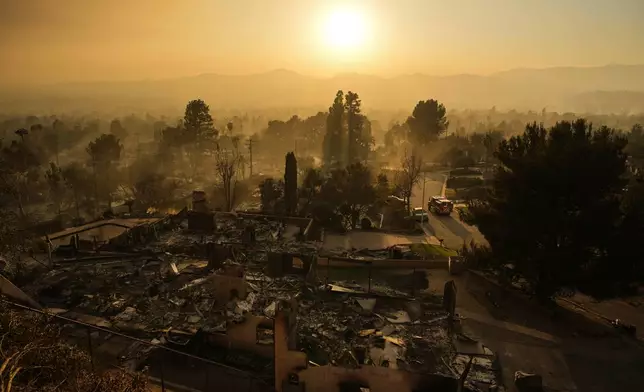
x,y
76,40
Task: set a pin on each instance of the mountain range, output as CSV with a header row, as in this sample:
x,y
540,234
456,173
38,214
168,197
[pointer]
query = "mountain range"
x,y
610,88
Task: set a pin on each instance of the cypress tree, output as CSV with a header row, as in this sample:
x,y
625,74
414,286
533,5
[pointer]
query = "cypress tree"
x,y
290,184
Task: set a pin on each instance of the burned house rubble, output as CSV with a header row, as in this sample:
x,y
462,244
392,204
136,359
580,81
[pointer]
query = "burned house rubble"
x,y
224,286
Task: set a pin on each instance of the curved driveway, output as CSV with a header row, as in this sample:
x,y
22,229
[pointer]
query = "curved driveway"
x,y
449,228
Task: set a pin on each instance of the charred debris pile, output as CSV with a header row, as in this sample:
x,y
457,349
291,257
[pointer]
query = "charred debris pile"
x,y
219,279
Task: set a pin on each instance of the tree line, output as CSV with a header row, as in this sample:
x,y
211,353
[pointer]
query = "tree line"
x,y
337,176
563,213
346,190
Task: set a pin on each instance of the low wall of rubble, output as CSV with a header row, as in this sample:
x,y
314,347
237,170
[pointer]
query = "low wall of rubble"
x,y
341,262
139,234
483,287
506,299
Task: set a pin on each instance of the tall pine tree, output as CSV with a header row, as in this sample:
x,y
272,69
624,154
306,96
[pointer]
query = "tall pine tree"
x,y
354,125
334,143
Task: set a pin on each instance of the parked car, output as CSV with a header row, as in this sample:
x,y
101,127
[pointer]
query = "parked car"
x,y
419,214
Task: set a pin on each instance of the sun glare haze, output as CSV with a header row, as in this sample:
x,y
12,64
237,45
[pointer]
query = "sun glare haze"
x,y
265,195
312,37
345,28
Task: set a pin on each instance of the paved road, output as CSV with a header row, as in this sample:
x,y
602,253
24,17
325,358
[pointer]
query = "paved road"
x,y
572,353
569,353
517,347
449,228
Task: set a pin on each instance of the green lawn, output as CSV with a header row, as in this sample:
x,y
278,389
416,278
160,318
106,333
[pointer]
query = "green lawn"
x,y
432,250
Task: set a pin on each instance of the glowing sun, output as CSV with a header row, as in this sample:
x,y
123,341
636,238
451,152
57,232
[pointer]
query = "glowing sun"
x,y
345,28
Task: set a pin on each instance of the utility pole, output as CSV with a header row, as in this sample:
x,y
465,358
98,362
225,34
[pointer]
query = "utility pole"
x,y
249,143
96,206
422,217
